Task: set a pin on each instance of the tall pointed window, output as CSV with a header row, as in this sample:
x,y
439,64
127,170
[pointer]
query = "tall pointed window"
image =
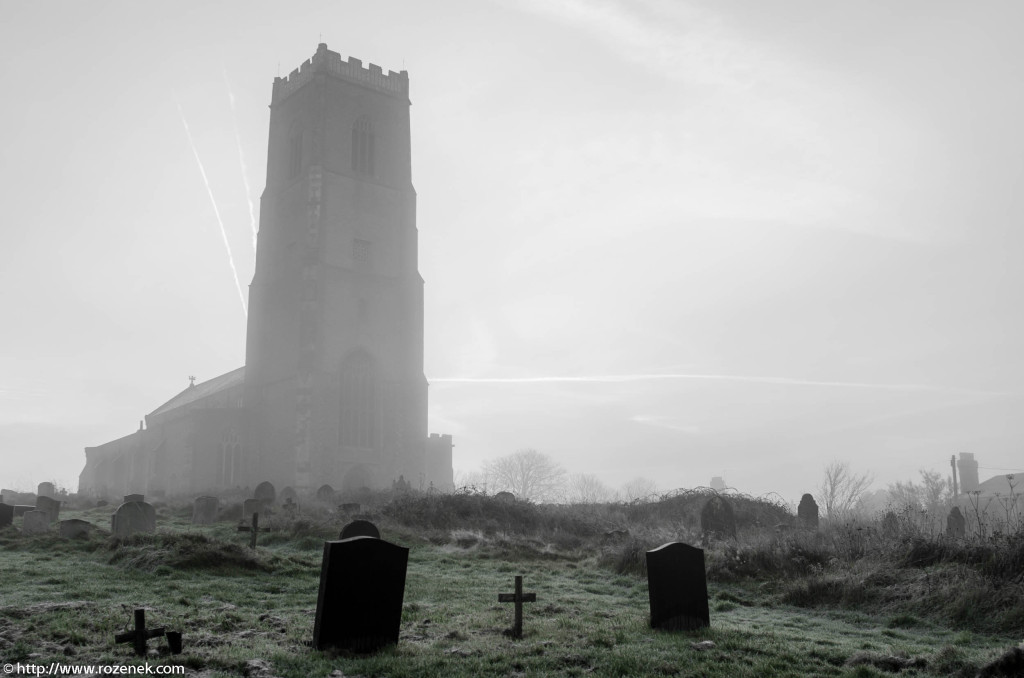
x,y
362,147
358,402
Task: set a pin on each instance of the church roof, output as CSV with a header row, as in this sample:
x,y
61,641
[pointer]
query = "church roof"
x,y
202,390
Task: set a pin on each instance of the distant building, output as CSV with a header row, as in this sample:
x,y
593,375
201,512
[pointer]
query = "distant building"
x,y
333,390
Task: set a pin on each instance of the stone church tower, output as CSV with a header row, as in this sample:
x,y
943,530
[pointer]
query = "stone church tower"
x,y
333,390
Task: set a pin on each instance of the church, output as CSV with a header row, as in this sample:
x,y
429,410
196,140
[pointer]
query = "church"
x,y
332,391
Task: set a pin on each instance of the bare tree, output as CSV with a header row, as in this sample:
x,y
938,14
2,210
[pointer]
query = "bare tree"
x,y
585,488
841,489
528,474
639,489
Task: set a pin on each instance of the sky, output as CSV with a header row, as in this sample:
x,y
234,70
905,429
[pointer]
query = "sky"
x,y
660,238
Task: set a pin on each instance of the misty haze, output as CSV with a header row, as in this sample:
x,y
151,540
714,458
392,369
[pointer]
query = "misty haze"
x,y
512,338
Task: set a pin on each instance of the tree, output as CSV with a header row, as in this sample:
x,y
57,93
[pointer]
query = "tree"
x,y
528,474
841,489
639,489
585,488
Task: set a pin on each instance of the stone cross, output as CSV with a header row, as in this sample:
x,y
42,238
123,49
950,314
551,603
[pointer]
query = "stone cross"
x,y
254,529
518,598
140,635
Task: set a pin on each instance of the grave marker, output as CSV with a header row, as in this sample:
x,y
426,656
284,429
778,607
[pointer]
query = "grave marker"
x,y
807,513
505,497
360,528
49,506
70,529
22,509
204,510
350,508
518,598
35,522
135,516
289,506
265,492
141,634
6,515
717,519
250,507
45,490
362,584
677,587
254,529
956,524
288,493
325,494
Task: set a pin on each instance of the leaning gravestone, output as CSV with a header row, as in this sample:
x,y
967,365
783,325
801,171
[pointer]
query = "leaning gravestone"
x,y
133,517
36,522
265,493
678,588
325,494
6,515
360,528
204,510
807,513
70,529
50,506
45,490
362,584
956,524
717,519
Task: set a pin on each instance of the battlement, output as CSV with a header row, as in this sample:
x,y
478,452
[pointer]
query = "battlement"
x,y
395,84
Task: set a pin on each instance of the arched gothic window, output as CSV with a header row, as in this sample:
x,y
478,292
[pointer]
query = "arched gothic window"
x,y
358,402
362,147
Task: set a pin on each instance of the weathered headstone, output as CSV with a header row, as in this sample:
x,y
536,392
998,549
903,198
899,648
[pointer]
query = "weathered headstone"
x,y
251,506
359,528
6,515
133,497
362,584
133,517
45,490
807,513
717,519
504,497
288,493
73,528
141,634
678,588
50,506
204,510
265,492
35,522
325,494
22,509
956,524
518,598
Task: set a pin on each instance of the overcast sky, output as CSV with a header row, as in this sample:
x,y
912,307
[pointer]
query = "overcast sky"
x,y
660,238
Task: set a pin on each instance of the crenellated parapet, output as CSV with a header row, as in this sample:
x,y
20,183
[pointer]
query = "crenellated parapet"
x,y
326,61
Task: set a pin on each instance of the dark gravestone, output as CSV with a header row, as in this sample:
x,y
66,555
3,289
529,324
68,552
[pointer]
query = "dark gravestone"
x,y
505,497
251,506
325,494
134,497
360,528
133,517
350,508
807,513
518,598
362,584
717,519
74,528
22,509
288,493
265,492
45,490
49,506
35,522
6,515
678,587
204,510
956,524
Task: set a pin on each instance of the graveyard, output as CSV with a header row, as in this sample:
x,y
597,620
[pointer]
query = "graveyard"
x,y
413,584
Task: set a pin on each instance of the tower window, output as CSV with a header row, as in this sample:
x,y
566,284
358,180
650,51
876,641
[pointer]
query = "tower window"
x,y
362,147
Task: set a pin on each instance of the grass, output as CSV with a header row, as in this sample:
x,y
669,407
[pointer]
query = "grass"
x,y
782,604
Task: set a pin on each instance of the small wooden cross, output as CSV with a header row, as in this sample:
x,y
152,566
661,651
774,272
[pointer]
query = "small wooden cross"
x,y
140,635
191,381
518,598
254,529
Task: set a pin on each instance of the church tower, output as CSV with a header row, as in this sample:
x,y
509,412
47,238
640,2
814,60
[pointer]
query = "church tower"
x,y
334,382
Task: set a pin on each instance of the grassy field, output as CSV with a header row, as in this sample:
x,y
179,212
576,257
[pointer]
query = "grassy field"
x,y
781,605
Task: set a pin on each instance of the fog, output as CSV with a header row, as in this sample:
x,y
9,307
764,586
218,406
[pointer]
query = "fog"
x,y
670,240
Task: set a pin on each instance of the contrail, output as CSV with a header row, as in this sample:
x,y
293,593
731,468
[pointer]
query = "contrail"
x,y
241,159
216,211
623,378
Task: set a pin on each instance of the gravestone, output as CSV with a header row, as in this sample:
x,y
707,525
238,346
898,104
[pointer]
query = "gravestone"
x,y
253,529
22,509
362,584
265,493
134,497
325,494
518,598
288,493
45,490
350,507
141,634
6,515
807,513
717,519
73,528
504,497
289,506
133,517
956,524
204,510
360,528
678,588
35,522
249,507
50,506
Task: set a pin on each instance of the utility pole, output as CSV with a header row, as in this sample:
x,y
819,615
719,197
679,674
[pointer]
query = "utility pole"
x,y
952,463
